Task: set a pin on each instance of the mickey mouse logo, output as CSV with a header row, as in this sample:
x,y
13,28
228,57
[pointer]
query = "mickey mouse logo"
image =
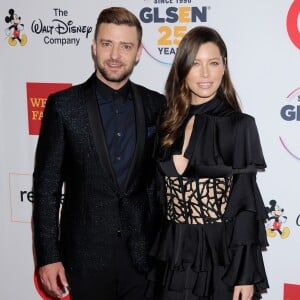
x,y
275,221
14,30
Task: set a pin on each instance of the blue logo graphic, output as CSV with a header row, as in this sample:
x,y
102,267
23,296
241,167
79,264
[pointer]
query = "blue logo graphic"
x,y
290,113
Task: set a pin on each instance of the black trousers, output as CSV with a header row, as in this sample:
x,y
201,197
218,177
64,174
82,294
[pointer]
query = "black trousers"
x,y
119,281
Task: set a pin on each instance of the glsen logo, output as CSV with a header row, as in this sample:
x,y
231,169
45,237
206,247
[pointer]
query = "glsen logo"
x,y
166,22
14,31
290,113
292,23
291,291
60,31
37,94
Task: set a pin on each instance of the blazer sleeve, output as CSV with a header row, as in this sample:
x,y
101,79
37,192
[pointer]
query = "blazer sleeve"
x,y
47,185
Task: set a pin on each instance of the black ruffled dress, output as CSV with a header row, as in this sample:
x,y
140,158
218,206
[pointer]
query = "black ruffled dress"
x,y
213,231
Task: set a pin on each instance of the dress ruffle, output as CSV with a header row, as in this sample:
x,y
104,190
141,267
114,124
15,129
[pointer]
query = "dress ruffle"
x,y
198,257
207,257
201,257
232,144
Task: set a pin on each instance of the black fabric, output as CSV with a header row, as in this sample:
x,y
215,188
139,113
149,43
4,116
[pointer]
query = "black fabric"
x,y
205,261
72,149
119,281
221,138
118,120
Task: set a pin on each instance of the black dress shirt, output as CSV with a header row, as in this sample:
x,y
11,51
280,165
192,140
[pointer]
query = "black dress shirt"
x,y
118,120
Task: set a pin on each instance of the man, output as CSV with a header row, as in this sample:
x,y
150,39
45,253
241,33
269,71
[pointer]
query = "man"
x,y
97,138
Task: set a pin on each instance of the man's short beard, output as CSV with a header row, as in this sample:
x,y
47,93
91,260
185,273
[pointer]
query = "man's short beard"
x,y
122,77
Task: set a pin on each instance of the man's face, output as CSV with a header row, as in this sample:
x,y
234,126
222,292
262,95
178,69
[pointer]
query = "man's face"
x,y
116,52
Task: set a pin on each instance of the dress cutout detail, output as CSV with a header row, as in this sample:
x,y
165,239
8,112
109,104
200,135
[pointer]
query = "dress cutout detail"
x,y
179,160
213,231
197,201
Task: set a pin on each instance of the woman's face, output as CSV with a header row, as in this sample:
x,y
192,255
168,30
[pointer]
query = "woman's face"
x,y
205,76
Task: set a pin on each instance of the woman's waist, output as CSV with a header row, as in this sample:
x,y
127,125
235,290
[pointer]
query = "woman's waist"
x,y
177,243
197,201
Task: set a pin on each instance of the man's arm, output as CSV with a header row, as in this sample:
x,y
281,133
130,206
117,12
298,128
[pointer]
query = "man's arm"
x,y
47,185
54,280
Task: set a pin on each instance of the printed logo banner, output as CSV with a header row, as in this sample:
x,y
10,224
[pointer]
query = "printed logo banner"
x,y
37,94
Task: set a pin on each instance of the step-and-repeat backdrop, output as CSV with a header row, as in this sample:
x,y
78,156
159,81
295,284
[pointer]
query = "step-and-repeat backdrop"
x,y
46,46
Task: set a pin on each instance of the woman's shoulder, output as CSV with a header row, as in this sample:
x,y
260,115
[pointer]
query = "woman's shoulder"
x,y
242,118
233,118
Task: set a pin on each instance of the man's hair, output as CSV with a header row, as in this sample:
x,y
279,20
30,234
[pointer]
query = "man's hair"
x,y
119,16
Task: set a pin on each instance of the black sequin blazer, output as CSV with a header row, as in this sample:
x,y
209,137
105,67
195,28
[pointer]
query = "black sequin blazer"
x,y
71,149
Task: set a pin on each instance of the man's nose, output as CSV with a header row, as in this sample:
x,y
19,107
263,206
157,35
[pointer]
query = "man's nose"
x,y
115,52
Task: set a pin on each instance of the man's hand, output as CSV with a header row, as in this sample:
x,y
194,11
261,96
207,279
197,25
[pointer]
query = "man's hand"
x,y
53,279
244,291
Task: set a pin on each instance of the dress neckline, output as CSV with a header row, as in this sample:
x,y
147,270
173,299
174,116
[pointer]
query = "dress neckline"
x,y
197,109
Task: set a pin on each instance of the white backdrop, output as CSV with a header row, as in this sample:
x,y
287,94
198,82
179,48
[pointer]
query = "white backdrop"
x,y
263,41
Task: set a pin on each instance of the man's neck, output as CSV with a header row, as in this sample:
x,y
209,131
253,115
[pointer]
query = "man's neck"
x,y
114,85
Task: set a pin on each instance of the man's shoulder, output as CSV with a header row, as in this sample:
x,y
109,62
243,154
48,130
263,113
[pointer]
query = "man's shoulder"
x,y
148,91
150,98
74,89
66,92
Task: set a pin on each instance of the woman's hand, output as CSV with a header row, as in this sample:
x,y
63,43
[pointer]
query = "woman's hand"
x,y
243,292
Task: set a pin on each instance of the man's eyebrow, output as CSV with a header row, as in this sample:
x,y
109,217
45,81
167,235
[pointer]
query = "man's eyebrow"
x,y
105,40
110,41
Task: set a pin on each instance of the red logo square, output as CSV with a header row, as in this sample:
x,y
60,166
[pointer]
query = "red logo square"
x,y
37,95
291,292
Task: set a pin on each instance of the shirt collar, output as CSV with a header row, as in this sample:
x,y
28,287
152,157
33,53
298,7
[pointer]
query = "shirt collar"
x,y
107,94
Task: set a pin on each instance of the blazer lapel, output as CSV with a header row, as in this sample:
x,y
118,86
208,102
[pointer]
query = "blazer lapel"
x,y
97,128
140,125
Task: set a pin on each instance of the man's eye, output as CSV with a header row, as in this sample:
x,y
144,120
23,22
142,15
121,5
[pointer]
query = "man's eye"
x,y
106,44
126,47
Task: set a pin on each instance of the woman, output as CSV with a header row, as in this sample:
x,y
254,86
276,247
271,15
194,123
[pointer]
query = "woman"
x,y
208,155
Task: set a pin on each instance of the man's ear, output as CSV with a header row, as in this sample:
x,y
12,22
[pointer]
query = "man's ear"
x,y
94,48
139,54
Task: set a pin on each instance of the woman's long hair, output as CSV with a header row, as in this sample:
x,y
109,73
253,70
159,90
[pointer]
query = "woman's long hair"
x,y
177,92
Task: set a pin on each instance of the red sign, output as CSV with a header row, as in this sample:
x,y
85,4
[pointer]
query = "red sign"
x,y
37,94
292,23
291,292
